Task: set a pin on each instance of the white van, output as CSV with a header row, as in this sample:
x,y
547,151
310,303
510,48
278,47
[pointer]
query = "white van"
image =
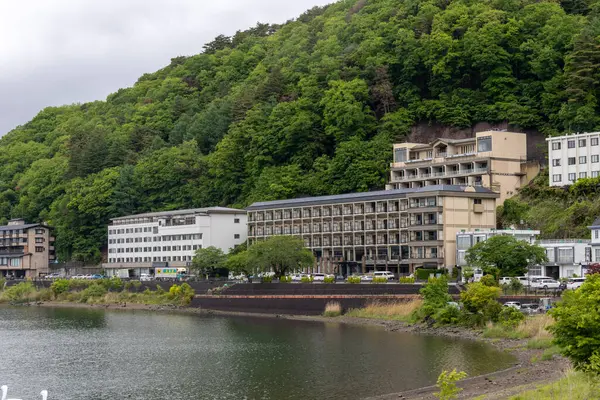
x,y
384,274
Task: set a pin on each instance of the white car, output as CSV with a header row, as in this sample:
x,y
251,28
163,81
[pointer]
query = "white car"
x,y
514,304
545,284
145,277
366,278
298,277
384,274
574,283
505,280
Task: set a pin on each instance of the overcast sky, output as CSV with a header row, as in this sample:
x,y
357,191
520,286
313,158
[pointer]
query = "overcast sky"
x,y
55,52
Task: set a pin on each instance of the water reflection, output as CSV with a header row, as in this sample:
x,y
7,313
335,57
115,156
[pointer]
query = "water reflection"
x,y
99,354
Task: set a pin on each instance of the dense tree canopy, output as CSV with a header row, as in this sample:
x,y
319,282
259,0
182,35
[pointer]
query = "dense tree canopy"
x,y
506,254
309,107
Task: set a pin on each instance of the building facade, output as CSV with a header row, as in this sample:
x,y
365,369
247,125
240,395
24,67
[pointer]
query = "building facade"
x,y
595,242
141,242
573,157
465,240
566,258
398,230
26,250
493,159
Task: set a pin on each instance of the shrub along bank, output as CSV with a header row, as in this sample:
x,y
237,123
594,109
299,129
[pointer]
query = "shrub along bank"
x,y
105,291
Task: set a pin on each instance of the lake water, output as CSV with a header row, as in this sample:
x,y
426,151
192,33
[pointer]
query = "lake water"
x,y
95,354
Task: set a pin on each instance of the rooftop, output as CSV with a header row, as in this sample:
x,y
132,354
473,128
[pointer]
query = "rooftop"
x,y
191,211
573,134
595,224
17,227
501,231
368,196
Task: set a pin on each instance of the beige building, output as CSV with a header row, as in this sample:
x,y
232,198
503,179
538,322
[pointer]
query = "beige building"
x,y
493,159
397,230
26,250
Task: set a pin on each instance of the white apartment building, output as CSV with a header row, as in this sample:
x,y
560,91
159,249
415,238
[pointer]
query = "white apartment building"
x,y
465,240
170,238
573,157
566,257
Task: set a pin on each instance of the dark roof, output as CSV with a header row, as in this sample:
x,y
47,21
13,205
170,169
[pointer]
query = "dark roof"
x,y
17,227
367,196
596,223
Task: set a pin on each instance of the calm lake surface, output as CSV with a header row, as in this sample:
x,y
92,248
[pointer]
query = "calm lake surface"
x,y
97,354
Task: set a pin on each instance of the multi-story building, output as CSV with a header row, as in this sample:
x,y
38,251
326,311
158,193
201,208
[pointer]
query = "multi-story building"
x,y
171,238
493,159
566,257
26,250
401,229
573,157
595,242
465,240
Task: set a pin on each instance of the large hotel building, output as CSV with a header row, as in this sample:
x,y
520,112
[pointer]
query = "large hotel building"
x,y
141,242
573,157
26,250
435,191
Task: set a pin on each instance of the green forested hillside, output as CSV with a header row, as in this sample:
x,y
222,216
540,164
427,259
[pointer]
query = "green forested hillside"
x,y
305,108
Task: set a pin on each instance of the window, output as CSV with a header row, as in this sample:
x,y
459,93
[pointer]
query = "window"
x,y
597,255
595,158
535,270
595,174
39,249
571,160
400,155
582,175
236,236
550,254
582,160
582,143
596,233
463,242
556,146
571,144
556,178
571,177
556,162
237,220
565,255
15,262
594,141
477,201
39,231
484,144
39,240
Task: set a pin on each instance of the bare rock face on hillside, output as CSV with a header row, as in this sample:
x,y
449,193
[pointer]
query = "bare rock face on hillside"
x,y
425,132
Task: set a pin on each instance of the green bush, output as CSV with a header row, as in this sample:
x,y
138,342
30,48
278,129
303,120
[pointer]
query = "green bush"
x,y
353,279
481,299
329,279
285,279
510,317
489,280
424,274
577,325
406,279
60,286
76,284
19,292
306,279
184,293
435,297
159,290
447,384
267,279
449,315
92,291
2,283
379,279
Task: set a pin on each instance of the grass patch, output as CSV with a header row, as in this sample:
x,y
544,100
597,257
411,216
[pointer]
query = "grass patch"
x,y
539,343
400,310
550,352
573,386
333,309
533,328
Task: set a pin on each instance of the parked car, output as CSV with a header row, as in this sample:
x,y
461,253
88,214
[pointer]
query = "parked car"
x,y
384,274
318,277
514,304
366,278
574,283
80,276
505,280
52,276
545,284
145,277
298,277
97,276
530,308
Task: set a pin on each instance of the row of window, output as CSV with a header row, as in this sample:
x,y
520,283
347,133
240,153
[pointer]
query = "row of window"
x,y
572,160
165,238
149,259
155,249
12,262
573,176
571,143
